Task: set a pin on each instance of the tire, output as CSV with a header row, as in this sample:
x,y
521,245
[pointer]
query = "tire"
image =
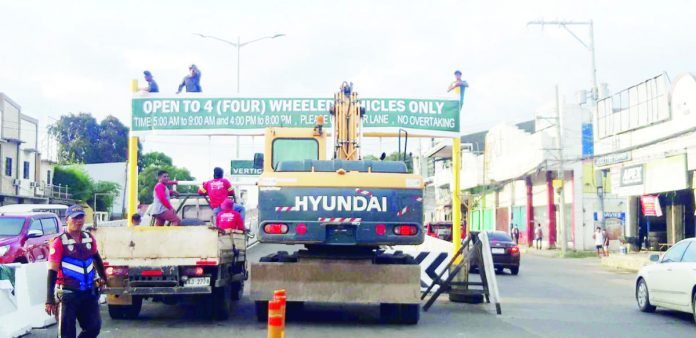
x,y
220,302
643,297
410,314
126,311
499,270
514,271
693,305
237,291
261,311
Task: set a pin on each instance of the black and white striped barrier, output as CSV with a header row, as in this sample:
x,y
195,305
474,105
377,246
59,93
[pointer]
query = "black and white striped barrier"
x,y
432,256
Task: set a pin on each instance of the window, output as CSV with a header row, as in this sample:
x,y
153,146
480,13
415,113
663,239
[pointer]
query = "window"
x,y
675,253
285,149
499,236
201,212
26,170
50,226
36,225
8,166
11,226
690,254
48,177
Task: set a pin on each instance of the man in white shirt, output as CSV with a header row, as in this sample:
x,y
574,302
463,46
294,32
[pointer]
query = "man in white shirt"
x,y
599,241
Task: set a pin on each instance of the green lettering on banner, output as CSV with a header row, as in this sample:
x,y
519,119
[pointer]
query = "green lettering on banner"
x,y
244,167
252,115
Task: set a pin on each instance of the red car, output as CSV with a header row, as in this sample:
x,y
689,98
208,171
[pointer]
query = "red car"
x,y
25,238
443,230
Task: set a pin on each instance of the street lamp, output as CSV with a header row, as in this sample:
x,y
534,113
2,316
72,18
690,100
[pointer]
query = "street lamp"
x,y
239,46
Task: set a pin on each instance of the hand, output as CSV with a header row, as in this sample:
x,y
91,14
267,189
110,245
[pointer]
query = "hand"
x,y
51,309
101,284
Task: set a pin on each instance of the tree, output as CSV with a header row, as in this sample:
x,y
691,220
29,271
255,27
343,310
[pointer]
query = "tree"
x,y
82,140
107,192
82,188
154,158
112,144
148,178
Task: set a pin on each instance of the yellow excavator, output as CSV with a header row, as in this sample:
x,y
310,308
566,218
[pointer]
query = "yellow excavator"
x,y
342,212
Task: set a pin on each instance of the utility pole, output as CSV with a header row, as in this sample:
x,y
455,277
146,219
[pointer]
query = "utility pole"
x,y
589,46
560,173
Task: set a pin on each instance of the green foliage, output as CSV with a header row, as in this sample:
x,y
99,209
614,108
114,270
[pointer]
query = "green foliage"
x,y
82,188
154,158
82,140
148,178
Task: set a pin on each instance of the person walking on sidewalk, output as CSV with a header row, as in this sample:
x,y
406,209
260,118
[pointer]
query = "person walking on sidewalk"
x,y
605,245
598,237
516,235
538,235
73,284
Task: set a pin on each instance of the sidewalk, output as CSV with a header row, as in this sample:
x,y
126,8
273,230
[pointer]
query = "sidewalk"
x,y
543,252
630,262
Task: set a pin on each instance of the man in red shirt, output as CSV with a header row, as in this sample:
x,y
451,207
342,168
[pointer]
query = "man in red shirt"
x,y
218,189
162,209
73,265
228,218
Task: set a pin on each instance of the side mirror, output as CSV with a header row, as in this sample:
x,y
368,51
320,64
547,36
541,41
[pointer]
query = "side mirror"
x,y
655,258
34,233
258,161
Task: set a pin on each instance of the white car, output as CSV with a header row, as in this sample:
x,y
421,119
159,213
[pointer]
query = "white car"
x,y
671,281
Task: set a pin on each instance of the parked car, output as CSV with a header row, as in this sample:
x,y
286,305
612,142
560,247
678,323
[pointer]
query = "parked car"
x,y
25,238
443,230
58,209
506,254
671,281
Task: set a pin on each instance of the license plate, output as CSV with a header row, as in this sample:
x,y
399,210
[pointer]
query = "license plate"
x,y
498,251
197,281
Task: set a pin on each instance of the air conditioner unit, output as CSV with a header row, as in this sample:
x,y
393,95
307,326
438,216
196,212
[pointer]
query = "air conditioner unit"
x,y
16,182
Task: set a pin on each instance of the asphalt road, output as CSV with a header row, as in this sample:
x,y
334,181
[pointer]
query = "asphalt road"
x,y
550,297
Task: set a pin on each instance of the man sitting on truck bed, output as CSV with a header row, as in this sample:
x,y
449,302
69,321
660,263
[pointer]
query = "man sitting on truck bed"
x,y
228,218
218,189
162,209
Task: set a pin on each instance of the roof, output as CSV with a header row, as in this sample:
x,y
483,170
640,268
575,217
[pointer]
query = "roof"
x,y
12,214
29,207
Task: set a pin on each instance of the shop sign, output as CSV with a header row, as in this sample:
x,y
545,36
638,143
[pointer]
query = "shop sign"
x,y
601,161
632,175
651,205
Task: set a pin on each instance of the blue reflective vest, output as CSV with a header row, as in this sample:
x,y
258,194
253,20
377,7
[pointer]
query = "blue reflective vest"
x,y
77,264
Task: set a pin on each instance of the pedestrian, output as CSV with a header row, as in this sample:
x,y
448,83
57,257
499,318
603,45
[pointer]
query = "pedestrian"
x,y
162,208
218,190
136,219
227,218
606,242
538,235
152,86
516,235
192,81
73,285
598,237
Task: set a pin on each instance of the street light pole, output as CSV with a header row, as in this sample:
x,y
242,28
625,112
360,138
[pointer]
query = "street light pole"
x,y
589,46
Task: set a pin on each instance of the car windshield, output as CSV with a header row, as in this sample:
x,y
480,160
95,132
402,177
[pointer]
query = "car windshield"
x,y
499,237
11,226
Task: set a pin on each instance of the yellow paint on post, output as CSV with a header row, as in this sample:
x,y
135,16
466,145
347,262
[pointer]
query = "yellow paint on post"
x,y
132,169
456,203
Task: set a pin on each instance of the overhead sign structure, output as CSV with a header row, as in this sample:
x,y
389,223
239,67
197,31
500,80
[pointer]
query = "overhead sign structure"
x,y
244,168
203,116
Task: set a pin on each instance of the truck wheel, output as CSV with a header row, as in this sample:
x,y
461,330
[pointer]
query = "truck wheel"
x,y
262,310
237,291
514,271
126,311
410,313
221,302
400,313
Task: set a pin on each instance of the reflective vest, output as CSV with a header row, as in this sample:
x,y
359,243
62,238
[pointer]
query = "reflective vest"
x,y
77,265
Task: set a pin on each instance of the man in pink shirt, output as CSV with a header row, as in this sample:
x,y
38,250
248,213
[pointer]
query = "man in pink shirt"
x,y
228,218
162,209
218,189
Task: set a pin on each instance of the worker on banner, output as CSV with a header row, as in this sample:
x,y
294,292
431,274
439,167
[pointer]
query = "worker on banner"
x,y
218,189
458,86
73,285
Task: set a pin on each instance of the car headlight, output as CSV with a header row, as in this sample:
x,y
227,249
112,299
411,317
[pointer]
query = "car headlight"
x,y
4,249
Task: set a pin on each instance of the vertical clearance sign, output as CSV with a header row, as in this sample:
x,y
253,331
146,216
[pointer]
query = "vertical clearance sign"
x,y
201,116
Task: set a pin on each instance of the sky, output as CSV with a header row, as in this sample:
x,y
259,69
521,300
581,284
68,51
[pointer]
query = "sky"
x,y
60,57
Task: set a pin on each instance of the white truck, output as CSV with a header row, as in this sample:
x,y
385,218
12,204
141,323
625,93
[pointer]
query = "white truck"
x,y
196,263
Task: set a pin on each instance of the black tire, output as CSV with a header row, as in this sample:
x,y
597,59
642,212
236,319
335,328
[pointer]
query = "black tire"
x,y
514,271
220,302
693,304
294,310
499,270
237,291
643,297
126,311
261,310
410,314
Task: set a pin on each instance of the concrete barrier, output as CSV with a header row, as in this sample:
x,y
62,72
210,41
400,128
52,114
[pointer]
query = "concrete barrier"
x,y
30,290
12,322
